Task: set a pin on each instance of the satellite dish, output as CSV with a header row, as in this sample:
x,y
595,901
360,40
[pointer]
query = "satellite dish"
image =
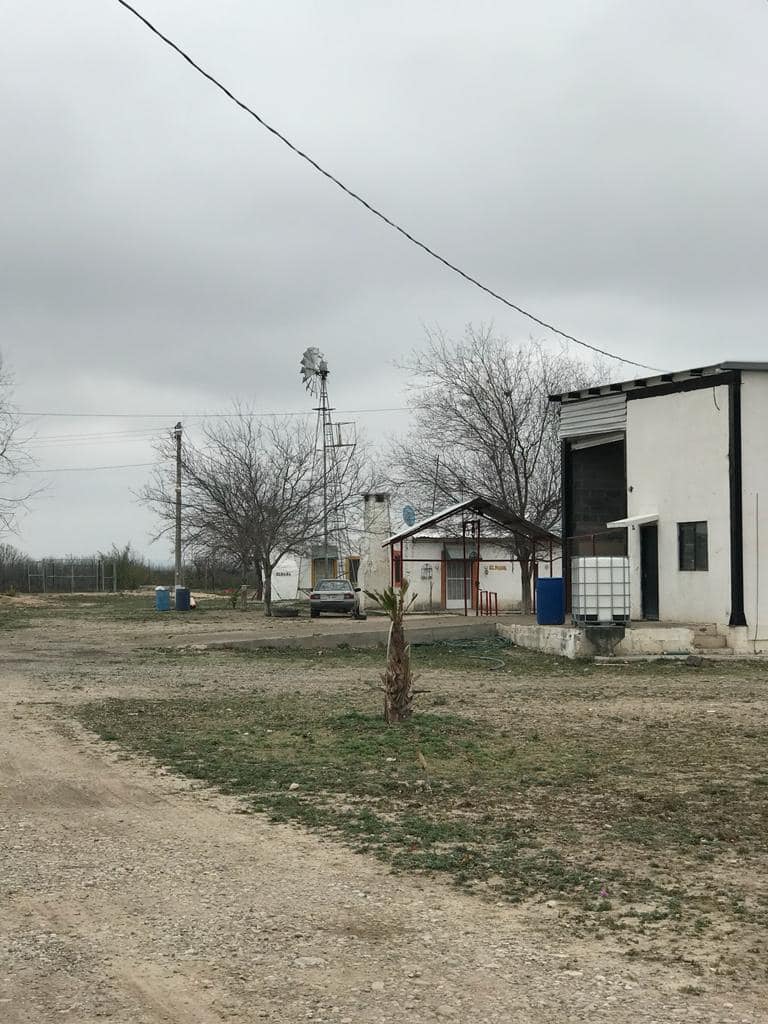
x,y
313,368
409,515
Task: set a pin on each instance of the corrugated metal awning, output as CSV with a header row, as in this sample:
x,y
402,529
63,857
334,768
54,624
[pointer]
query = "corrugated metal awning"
x,y
603,415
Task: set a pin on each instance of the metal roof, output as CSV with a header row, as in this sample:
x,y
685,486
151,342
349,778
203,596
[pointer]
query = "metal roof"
x,y
660,378
502,517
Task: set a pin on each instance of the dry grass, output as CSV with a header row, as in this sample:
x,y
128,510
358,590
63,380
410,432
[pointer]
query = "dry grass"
x,y
636,800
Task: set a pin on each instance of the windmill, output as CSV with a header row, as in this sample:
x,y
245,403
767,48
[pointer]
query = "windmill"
x,y
314,374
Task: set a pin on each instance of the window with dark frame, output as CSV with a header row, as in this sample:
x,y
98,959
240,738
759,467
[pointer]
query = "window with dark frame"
x,y
692,547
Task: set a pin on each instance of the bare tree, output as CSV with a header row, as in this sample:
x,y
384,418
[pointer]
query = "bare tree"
x,y
484,425
253,491
14,457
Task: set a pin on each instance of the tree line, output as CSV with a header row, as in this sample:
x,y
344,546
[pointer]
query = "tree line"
x,y
119,567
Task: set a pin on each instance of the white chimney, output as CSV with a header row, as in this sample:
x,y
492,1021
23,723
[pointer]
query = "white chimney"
x,y
377,527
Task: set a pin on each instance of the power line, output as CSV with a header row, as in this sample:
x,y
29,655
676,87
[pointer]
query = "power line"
x,y
368,206
67,440
201,415
89,469
76,436
96,442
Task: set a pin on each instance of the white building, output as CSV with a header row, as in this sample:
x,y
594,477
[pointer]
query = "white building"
x,y
460,557
672,471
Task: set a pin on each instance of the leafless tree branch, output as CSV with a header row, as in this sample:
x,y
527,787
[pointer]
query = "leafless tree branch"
x,y
482,405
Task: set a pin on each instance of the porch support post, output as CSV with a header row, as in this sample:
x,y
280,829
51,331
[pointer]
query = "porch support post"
x,y
479,563
736,504
464,549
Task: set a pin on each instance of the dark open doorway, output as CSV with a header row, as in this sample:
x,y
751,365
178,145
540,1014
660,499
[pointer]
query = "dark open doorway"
x,y
649,570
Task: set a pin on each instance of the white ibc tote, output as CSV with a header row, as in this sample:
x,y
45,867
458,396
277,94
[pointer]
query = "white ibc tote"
x,y
600,589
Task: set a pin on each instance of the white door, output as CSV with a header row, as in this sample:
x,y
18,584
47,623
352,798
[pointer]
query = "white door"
x,y
455,581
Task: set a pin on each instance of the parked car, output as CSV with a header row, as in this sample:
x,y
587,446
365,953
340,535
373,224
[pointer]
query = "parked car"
x,y
334,596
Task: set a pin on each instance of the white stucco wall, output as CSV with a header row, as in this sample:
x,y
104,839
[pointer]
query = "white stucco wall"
x,y
497,573
286,579
677,466
754,455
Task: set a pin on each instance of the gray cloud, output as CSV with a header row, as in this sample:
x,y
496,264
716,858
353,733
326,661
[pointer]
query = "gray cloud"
x,y
602,163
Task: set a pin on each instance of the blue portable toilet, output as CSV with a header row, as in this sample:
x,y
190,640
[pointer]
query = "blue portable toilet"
x,y
162,599
550,601
182,599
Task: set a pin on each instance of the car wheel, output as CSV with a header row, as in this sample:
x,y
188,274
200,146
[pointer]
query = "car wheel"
x,y
313,614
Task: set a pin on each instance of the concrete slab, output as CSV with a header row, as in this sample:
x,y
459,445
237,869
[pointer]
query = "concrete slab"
x,y
638,640
565,641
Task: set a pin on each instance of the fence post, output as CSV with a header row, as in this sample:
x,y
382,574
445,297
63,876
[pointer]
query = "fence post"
x,y
114,578
71,577
42,566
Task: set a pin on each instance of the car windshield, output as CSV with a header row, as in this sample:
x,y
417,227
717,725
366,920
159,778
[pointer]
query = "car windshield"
x,y
334,585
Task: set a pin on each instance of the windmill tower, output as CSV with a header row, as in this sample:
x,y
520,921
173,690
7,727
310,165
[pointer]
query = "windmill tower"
x,y
314,373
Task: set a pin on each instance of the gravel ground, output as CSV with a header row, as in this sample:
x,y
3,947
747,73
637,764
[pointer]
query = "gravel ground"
x,y
134,896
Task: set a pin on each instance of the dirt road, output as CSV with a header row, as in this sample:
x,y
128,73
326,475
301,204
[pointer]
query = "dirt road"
x,y
131,896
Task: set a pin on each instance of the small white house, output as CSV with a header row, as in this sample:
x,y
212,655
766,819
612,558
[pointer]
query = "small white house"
x,y
463,558
672,471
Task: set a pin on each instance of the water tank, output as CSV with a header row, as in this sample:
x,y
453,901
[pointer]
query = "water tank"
x,y
600,589
550,601
182,599
162,599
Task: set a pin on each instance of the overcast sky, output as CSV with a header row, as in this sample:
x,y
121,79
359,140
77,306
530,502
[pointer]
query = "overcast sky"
x,y
600,162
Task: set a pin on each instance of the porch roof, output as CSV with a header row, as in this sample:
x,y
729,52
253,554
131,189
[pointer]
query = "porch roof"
x,y
487,510
649,517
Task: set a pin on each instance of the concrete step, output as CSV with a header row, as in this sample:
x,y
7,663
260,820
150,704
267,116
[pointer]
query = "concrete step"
x,y
704,641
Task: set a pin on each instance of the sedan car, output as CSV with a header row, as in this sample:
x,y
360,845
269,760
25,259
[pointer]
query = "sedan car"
x,y
334,596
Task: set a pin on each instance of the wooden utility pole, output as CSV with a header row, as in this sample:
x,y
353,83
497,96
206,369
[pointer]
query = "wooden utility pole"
x,y
177,565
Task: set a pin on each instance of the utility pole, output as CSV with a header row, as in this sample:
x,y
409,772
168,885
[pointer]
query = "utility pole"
x,y
177,566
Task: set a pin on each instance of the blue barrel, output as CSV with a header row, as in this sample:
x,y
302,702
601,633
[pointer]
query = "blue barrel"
x,y
550,601
182,599
162,599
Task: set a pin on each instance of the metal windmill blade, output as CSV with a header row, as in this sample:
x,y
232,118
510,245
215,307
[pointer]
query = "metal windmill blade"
x,y
313,366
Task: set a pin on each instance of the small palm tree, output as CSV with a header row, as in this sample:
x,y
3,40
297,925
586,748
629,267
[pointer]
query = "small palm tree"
x,y
397,679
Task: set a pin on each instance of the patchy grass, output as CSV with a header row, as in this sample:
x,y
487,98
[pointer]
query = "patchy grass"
x,y
489,654
19,613
632,820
